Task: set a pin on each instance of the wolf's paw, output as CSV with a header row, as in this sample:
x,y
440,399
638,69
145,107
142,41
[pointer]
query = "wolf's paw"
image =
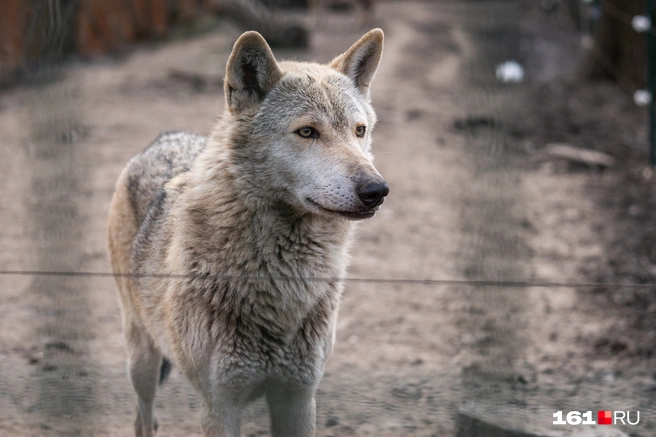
x,y
140,431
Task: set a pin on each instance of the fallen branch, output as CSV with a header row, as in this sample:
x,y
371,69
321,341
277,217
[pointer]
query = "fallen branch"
x,y
582,156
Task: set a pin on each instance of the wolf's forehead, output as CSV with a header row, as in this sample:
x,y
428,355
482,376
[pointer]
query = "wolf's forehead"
x,y
322,93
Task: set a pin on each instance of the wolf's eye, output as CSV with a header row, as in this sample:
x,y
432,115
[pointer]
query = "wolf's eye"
x,y
308,132
360,131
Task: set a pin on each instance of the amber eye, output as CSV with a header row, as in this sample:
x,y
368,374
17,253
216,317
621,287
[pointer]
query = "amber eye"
x,y
360,131
308,132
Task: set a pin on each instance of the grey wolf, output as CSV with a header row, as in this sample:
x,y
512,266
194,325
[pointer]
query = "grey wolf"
x,y
228,249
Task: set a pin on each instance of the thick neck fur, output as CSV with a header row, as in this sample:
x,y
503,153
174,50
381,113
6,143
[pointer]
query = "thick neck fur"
x,y
234,226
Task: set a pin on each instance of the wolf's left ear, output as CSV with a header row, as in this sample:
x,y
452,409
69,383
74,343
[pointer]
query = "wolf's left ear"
x,y
360,62
251,72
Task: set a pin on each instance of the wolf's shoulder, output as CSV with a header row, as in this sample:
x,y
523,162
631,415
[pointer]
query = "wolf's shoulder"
x,y
170,154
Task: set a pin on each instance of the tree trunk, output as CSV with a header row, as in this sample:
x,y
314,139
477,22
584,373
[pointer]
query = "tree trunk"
x,y
619,52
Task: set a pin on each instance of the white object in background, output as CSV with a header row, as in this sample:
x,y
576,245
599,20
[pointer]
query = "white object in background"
x,y
641,23
510,71
642,97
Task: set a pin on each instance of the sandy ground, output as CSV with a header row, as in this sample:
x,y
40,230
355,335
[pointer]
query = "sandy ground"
x,y
468,202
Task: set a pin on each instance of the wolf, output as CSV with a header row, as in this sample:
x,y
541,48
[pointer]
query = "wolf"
x,y
229,251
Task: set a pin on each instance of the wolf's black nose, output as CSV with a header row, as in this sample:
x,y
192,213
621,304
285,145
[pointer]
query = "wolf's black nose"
x,y
372,194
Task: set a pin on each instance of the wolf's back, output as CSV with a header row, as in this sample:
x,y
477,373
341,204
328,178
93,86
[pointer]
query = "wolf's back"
x,y
170,154
135,201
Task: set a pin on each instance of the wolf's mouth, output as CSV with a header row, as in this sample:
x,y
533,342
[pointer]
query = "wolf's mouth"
x,y
351,215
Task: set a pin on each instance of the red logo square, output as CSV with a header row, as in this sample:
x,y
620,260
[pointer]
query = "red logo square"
x,y
604,417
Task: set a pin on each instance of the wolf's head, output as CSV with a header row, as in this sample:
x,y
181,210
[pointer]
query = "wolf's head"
x,y
301,132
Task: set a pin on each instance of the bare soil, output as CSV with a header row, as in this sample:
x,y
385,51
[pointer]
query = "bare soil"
x,y
473,200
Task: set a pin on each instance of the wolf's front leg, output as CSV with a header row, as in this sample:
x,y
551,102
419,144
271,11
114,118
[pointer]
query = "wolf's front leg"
x,y
293,412
220,418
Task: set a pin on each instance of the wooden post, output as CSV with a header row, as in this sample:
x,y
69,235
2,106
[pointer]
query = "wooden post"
x,y
13,25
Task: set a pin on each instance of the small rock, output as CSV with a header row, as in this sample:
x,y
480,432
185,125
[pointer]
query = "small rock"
x,y
647,173
59,346
634,210
34,358
409,391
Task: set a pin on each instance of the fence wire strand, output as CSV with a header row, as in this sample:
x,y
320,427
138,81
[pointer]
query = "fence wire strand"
x,y
392,281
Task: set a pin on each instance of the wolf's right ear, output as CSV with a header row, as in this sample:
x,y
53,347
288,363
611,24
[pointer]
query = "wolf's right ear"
x,y
360,62
251,72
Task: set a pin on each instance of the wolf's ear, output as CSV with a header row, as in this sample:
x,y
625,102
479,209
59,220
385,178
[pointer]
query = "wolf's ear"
x,y
360,62
251,72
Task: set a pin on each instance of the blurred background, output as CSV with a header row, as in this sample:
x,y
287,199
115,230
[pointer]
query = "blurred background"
x,y
510,274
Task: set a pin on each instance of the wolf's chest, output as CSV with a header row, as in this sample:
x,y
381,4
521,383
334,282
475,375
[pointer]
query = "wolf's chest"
x,y
268,351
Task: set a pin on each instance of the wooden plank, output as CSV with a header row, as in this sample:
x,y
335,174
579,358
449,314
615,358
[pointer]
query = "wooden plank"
x,y
13,26
103,26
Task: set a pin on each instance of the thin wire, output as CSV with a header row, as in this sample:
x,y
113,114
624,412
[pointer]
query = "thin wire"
x,y
406,281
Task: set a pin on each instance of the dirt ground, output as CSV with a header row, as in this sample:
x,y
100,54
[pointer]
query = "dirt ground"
x,y
473,198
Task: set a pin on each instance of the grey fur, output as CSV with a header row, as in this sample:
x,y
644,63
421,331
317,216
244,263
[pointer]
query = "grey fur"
x,y
170,154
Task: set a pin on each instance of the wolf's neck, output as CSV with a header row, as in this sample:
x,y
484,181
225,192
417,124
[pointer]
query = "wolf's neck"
x,y
253,235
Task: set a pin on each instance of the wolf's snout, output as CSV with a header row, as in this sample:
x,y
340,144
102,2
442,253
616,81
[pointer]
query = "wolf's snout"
x,y
372,193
